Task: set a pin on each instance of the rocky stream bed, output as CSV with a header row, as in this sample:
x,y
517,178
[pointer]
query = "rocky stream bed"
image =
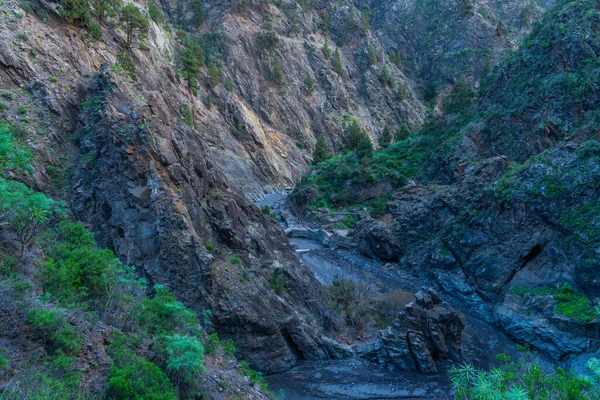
x,y
356,378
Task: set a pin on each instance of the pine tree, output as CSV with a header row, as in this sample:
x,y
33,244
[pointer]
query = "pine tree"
x,y
371,55
228,85
336,63
461,96
395,58
309,84
213,74
321,152
277,72
386,78
402,91
156,13
385,139
355,138
195,49
197,9
106,8
134,23
190,68
403,132
76,11
326,50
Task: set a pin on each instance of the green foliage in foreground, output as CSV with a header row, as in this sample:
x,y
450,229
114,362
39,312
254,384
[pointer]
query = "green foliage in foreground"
x,y
524,380
139,379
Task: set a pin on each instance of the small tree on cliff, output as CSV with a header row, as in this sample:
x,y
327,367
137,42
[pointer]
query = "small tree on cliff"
x,y
355,138
190,69
309,84
134,23
385,139
321,152
326,49
213,74
106,8
336,63
403,132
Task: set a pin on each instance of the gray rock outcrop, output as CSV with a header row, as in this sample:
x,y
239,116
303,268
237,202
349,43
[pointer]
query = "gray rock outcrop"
x,y
425,332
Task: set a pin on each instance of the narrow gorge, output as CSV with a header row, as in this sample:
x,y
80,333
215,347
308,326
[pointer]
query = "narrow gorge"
x,y
299,199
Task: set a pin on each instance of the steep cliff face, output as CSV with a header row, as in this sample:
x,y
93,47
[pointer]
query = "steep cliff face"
x,y
264,128
441,40
164,187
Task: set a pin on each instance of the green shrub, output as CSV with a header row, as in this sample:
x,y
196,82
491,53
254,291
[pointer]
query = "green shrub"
x,y
352,299
77,271
461,96
140,380
266,210
573,305
52,325
228,85
522,380
214,345
95,30
336,63
12,155
588,149
210,246
164,314
569,304
277,281
235,260
155,13
186,115
126,63
309,85
4,362
185,356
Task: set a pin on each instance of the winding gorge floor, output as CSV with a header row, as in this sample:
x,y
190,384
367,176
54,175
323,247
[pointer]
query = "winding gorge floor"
x,y
356,379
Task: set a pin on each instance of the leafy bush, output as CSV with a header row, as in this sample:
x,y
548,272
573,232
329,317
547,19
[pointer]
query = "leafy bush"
x,y
569,304
4,362
164,314
126,63
185,356
277,283
52,325
155,13
76,270
352,300
141,380
214,345
12,156
573,305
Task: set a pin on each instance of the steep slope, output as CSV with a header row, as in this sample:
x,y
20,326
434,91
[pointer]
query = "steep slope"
x,y
439,41
263,130
157,175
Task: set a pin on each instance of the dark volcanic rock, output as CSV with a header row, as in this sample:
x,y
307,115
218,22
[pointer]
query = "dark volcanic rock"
x,y
424,332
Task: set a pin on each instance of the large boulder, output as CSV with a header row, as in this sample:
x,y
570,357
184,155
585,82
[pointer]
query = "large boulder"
x,y
424,332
